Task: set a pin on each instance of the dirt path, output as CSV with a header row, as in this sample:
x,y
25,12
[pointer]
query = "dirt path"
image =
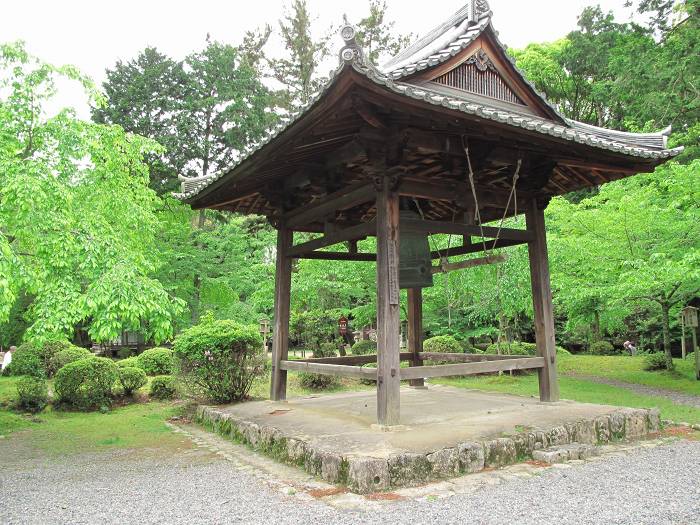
x,y
679,398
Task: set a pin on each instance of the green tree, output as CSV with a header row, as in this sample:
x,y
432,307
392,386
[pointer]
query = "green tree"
x,y
298,71
376,35
77,219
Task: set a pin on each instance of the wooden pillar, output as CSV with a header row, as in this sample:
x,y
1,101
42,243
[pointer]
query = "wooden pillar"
x,y
388,318
280,337
682,338
542,303
415,330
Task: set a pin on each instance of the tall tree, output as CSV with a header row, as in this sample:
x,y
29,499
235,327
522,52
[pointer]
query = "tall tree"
x,y
77,218
377,36
298,71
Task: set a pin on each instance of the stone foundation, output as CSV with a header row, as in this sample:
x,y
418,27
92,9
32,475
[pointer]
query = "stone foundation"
x,y
365,474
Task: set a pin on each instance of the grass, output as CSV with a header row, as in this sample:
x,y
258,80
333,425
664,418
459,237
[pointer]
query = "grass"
x,y
138,425
577,390
631,370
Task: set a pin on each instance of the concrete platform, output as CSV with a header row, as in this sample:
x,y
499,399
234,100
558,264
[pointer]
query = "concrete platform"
x,y
445,432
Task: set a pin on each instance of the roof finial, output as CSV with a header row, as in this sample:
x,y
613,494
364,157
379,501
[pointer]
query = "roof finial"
x,y
351,49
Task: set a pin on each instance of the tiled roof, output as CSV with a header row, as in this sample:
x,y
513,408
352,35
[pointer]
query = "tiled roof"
x,y
647,146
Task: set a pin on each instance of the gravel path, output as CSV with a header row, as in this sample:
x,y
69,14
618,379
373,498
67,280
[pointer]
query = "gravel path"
x,y
652,486
679,398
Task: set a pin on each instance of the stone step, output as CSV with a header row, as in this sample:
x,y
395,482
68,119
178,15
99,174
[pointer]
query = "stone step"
x,y
562,453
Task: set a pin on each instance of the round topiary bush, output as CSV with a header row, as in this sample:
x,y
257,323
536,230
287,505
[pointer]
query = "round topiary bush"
x,y
48,349
220,359
655,361
444,344
320,381
65,356
32,394
156,361
602,348
27,360
132,362
162,387
86,384
364,347
131,378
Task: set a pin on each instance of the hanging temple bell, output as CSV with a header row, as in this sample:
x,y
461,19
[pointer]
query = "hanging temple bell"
x,y
414,255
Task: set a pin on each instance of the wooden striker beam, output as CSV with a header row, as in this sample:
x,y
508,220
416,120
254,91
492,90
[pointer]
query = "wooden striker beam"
x,y
388,320
542,303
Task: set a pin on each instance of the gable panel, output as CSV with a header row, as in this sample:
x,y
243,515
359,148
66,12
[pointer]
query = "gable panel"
x,y
478,75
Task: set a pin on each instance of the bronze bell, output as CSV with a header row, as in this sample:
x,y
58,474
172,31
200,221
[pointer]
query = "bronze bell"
x,y
414,255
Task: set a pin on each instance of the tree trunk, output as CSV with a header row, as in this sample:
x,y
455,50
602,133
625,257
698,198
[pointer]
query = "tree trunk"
x,y
597,336
196,280
665,318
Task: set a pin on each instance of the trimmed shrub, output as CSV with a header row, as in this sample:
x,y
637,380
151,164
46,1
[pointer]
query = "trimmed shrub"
x,y
27,361
65,356
131,378
602,348
518,348
132,362
162,387
319,381
86,384
364,347
654,362
156,361
444,344
125,353
48,349
32,394
220,359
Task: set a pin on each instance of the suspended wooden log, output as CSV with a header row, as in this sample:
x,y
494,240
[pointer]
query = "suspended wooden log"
x,y
469,263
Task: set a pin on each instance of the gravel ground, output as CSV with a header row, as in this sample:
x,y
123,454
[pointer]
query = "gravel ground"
x,y
655,486
680,398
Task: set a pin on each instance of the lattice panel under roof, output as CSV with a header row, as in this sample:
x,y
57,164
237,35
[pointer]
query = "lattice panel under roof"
x,y
477,75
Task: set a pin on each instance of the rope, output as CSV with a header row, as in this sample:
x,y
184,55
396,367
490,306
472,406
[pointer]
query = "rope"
x,y
513,192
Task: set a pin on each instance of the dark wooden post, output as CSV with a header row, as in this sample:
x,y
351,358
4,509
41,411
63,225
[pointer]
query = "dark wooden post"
x,y
542,302
280,337
415,330
388,319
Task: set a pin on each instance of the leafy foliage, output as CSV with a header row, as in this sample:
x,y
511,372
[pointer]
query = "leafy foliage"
x,y
129,362
32,394
76,216
444,344
86,384
27,360
220,359
131,378
364,347
602,348
376,35
65,356
162,387
156,361
655,361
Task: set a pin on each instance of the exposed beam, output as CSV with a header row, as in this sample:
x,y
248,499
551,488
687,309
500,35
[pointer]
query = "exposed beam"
x,y
348,234
328,369
469,263
340,200
352,360
339,256
463,369
465,358
460,193
477,247
434,227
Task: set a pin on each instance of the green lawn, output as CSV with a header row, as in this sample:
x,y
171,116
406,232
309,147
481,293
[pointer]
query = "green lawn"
x,y
576,390
631,370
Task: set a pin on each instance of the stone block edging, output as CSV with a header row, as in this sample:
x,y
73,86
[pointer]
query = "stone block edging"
x,y
365,475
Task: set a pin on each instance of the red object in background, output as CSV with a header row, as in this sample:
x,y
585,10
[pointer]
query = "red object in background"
x,y
343,325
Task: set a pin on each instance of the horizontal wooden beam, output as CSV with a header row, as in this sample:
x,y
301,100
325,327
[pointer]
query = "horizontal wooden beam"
x,y
340,256
352,360
465,358
358,231
463,369
469,263
356,372
454,228
461,193
340,200
477,247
